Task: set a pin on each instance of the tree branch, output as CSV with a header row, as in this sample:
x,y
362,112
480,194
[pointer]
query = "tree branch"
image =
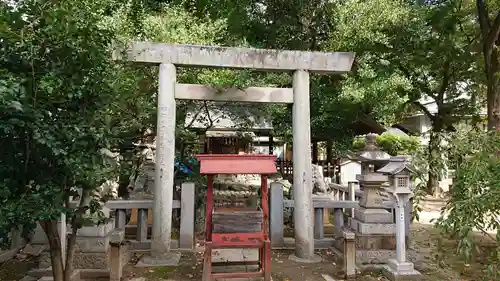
x,y
482,14
195,117
444,84
425,110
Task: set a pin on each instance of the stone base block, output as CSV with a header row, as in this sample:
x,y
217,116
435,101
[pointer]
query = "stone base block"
x,y
74,277
372,228
168,259
396,271
365,256
373,215
96,231
91,261
376,241
92,244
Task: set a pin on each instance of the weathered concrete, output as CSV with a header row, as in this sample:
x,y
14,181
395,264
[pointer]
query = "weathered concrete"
x,y
119,254
252,94
401,271
165,156
259,59
276,219
186,233
167,259
302,169
372,223
349,259
164,176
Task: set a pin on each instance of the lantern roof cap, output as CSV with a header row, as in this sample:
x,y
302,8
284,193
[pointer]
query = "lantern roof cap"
x,y
371,152
396,165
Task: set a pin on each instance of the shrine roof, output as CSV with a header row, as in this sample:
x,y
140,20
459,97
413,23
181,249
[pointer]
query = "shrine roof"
x,y
213,164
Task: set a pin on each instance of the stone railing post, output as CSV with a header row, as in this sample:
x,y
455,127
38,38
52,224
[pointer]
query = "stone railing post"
x,y
276,205
399,268
119,254
349,255
339,220
319,232
351,189
186,233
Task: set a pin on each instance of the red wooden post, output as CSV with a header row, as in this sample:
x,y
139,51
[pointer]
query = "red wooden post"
x,y
209,208
265,205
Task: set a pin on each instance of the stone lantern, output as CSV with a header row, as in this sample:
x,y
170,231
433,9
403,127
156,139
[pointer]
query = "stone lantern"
x,y
371,205
372,222
399,172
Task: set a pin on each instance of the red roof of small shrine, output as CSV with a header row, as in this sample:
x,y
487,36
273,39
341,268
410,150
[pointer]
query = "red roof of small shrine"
x,y
212,164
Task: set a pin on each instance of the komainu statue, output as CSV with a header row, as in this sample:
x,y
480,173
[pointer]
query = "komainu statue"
x,y
319,184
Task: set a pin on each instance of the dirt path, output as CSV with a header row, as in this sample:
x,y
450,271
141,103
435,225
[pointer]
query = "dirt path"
x,y
284,269
425,256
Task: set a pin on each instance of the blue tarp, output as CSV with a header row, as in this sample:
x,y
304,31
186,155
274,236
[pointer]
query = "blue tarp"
x,y
182,167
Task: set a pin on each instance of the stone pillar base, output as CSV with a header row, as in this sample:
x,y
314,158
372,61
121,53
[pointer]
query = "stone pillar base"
x,y
373,215
313,259
375,242
374,257
401,271
167,259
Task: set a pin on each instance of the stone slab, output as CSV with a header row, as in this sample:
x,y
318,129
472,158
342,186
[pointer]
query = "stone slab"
x,y
92,244
8,254
372,228
373,215
223,255
91,260
34,250
74,277
374,256
313,259
404,275
28,278
230,57
289,243
400,266
168,259
98,230
376,241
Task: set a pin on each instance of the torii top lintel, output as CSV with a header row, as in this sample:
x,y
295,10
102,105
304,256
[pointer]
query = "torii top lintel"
x,y
217,164
242,58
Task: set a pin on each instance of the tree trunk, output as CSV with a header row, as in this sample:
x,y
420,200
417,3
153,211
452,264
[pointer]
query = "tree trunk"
x,y
490,32
70,255
493,92
50,228
434,160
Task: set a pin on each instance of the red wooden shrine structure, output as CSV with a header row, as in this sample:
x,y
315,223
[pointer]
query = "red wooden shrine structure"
x,y
217,164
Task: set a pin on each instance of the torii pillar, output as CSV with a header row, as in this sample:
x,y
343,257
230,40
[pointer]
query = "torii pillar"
x,y
300,63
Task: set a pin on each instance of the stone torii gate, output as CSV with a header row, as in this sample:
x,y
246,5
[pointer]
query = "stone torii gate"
x,y
301,63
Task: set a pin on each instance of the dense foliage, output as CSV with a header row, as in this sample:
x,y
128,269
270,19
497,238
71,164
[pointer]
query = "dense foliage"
x,y
392,144
474,204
